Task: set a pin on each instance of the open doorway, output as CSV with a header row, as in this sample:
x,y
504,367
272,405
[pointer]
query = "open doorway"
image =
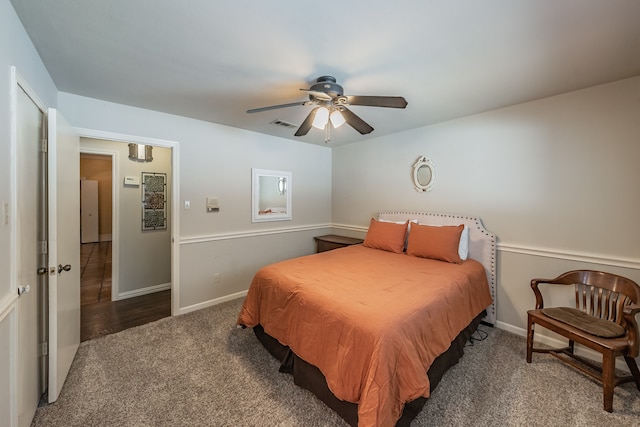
x,y
126,270
95,227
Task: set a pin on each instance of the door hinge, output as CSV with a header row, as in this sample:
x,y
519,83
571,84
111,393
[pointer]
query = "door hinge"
x,y
44,145
43,247
44,348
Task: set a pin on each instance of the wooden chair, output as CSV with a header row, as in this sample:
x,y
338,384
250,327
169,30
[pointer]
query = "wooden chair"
x,y
603,320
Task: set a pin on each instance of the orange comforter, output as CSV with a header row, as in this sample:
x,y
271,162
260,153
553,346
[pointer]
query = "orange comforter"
x,y
371,321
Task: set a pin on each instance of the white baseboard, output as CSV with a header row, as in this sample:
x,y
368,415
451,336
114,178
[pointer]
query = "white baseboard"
x,y
143,291
554,342
212,302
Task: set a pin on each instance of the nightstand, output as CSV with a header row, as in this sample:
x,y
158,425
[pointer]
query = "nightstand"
x,y
333,241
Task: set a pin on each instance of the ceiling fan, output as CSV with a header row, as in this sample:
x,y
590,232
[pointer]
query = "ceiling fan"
x,y
331,107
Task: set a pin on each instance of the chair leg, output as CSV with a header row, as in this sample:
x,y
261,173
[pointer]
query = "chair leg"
x,y
608,379
633,367
530,326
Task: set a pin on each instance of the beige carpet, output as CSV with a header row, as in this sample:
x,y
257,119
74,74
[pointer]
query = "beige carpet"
x,y
199,370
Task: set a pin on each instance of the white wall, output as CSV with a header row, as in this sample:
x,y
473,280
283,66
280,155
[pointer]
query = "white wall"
x,y
216,161
555,179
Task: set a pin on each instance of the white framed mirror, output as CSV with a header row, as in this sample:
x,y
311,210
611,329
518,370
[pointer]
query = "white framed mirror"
x,y
271,195
424,174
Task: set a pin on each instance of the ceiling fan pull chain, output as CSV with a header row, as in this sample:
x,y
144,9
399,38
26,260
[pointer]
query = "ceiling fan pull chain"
x,y
327,135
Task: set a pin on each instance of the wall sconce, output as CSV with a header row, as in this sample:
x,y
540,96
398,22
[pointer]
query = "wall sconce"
x,y
141,152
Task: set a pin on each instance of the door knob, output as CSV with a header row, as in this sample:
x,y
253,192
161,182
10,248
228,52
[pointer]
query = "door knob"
x,y
65,268
42,270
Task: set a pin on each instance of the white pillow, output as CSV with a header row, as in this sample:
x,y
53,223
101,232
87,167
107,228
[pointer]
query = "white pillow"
x,y
463,247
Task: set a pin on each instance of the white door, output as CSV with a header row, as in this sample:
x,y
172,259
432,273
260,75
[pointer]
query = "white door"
x,y
29,121
64,249
89,215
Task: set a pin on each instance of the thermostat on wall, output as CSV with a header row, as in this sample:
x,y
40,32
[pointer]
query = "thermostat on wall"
x,y
133,181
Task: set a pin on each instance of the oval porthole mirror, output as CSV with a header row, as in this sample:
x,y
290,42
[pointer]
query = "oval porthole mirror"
x,y
424,173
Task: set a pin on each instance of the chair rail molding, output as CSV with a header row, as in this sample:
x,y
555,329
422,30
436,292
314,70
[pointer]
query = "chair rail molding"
x,y
243,234
7,304
591,258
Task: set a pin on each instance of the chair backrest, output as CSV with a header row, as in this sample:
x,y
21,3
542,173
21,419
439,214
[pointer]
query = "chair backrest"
x,y
600,294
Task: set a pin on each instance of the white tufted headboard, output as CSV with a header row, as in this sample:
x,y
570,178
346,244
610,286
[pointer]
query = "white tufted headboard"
x,y
482,243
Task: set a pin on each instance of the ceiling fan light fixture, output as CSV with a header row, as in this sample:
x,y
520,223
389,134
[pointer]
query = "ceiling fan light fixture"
x,y
321,118
337,119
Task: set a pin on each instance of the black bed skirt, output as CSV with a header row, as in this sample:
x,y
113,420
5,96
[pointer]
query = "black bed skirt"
x,y
309,377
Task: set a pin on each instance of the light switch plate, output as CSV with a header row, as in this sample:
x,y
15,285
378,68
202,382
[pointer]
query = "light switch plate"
x,y
213,204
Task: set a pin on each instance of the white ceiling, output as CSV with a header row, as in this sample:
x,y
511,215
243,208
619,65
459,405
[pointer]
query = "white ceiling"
x,y
213,60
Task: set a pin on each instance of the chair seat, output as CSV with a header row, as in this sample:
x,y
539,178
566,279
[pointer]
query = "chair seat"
x,y
618,344
585,322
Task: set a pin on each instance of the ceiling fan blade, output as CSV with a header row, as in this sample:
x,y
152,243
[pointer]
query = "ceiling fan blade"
x,y
308,122
274,107
378,101
356,122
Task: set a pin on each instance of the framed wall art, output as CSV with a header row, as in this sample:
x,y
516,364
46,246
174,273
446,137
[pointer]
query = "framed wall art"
x,y
154,201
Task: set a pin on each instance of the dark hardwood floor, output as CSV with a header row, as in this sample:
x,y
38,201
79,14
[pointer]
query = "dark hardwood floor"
x,y
98,315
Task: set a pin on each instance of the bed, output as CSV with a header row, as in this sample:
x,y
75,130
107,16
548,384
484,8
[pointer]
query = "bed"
x,y
372,328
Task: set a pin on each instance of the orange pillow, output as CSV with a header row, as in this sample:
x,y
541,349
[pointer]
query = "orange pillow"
x,y
387,236
439,243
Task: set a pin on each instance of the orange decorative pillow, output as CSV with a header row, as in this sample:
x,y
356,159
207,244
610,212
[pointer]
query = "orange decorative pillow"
x,y
433,242
387,236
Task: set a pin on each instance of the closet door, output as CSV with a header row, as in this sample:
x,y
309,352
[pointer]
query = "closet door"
x,y
89,216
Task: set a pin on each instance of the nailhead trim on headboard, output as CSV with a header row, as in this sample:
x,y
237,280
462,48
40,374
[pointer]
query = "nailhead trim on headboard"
x,y
482,243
